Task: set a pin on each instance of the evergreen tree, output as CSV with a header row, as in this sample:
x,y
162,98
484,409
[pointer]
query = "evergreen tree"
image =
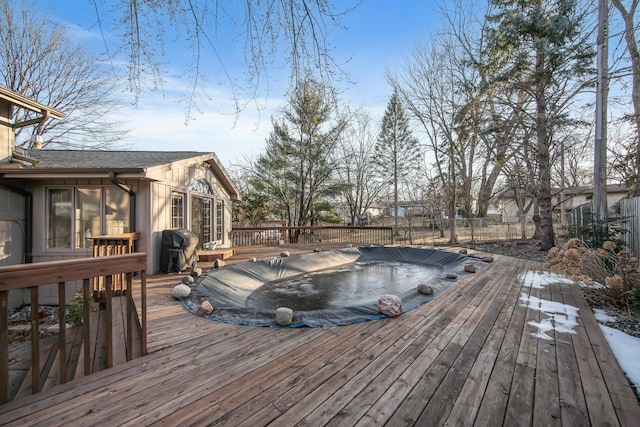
x,y
296,172
542,49
397,150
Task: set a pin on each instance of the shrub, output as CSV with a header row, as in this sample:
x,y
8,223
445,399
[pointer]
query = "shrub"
x,y
597,233
610,266
75,308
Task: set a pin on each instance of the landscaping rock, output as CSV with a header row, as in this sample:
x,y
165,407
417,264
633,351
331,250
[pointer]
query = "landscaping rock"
x,y
218,263
285,254
390,305
196,272
187,279
253,259
426,289
284,316
205,308
487,259
317,250
180,291
451,276
462,251
470,268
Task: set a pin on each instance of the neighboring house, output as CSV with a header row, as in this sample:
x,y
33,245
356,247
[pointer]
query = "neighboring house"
x,y
53,201
577,196
573,197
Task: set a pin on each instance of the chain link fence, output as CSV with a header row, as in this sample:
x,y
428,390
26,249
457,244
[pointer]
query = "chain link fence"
x,y
469,230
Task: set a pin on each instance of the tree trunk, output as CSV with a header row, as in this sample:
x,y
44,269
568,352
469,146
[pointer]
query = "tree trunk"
x,y
486,191
453,237
544,162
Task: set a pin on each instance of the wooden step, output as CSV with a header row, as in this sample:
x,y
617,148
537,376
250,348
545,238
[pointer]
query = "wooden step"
x,y
208,256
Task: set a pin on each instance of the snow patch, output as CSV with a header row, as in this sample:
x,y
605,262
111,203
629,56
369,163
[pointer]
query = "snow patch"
x,y
561,317
626,349
539,279
602,316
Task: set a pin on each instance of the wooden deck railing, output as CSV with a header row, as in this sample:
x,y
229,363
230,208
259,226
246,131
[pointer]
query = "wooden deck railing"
x,y
31,276
266,236
114,244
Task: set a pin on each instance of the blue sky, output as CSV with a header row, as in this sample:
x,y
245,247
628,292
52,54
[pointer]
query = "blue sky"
x,y
378,34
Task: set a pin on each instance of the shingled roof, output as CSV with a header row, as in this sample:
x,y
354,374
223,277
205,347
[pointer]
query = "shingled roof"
x,y
89,163
90,159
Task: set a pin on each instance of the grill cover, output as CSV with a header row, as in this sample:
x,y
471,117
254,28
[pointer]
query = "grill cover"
x,y
178,250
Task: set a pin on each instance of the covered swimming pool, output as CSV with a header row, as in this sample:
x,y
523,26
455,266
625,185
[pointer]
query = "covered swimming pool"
x,y
326,288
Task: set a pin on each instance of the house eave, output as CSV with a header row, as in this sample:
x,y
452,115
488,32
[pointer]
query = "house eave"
x,y
223,177
15,171
24,102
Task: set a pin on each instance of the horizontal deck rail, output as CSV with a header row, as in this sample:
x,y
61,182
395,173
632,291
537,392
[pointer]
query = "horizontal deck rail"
x,y
31,276
270,236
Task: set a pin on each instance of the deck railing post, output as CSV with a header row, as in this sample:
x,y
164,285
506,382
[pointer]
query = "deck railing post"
x,y
62,302
129,296
4,347
143,293
86,327
108,286
35,341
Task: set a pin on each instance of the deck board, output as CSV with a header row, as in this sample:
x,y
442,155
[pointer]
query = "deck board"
x,y
468,357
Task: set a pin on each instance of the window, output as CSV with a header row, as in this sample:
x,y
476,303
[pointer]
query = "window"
x,y
202,186
76,214
177,210
88,216
60,219
219,219
116,211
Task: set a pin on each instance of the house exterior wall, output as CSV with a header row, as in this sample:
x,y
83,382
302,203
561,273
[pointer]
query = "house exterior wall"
x,y
12,235
613,199
49,294
572,201
181,178
510,212
152,216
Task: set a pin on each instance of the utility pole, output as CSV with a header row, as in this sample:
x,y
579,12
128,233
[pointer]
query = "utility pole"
x,y
602,93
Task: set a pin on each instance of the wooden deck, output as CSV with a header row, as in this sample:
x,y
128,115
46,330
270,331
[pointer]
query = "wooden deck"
x,y
469,357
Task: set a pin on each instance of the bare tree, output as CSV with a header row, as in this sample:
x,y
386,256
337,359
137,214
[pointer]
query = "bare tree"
x,y
427,89
295,32
628,13
42,63
355,165
622,142
577,158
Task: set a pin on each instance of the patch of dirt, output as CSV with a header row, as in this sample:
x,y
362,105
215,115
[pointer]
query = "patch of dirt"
x,y
47,315
525,249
